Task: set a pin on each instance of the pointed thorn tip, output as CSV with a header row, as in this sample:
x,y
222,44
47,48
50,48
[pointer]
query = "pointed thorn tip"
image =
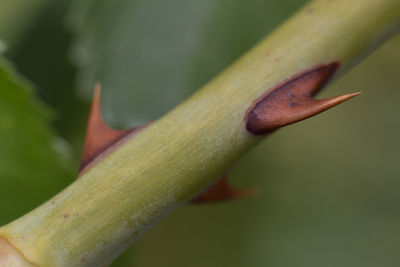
x,y
348,96
331,102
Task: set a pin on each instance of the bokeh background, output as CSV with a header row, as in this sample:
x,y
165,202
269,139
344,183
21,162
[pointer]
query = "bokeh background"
x,y
330,186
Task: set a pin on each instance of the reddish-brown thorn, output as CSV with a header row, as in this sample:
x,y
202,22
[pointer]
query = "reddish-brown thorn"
x,y
292,101
98,135
100,138
222,191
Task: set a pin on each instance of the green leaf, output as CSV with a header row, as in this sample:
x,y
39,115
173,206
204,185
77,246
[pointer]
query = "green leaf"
x,y
50,69
16,16
33,160
151,55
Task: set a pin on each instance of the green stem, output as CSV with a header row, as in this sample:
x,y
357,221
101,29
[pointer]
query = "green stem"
x,y
96,218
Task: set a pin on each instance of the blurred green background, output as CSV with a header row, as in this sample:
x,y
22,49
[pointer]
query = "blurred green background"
x,y
329,185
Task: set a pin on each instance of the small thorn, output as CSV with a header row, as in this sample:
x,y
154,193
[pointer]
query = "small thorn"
x,y
99,137
222,191
293,101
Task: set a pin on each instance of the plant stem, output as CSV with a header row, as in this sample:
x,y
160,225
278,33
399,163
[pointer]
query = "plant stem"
x,y
96,218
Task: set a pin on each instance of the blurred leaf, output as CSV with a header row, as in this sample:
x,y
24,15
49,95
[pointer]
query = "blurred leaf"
x,y
16,16
33,162
42,55
150,55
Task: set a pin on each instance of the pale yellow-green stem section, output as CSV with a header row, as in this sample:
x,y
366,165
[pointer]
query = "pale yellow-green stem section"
x,y
10,256
92,221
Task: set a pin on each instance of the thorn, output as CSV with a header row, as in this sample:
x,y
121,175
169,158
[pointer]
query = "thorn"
x,y
293,101
222,191
99,137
